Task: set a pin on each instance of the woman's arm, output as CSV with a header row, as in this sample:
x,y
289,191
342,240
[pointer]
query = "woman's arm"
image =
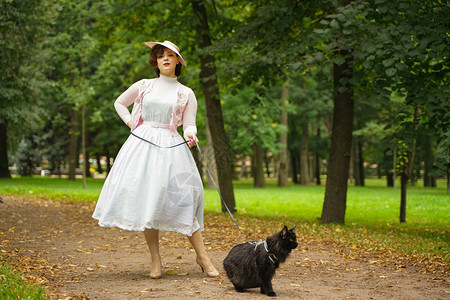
x,y
126,99
189,116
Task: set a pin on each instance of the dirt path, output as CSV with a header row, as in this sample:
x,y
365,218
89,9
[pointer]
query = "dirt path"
x,y
59,245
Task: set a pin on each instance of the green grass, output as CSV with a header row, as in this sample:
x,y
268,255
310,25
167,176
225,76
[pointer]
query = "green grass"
x,y
52,188
12,286
371,217
369,205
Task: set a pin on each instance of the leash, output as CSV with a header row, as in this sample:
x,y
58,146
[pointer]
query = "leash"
x,y
221,198
272,257
153,144
209,173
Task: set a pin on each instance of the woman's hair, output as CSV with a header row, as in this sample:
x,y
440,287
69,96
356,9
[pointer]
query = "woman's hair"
x,y
153,60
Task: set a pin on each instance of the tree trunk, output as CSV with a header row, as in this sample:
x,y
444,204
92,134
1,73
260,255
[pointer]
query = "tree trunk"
x,y
428,164
244,168
108,162
387,169
317,168
293,153
448,178
361,162
413,177
198,162
351,173
304,170
208,78
311,162
317,161
394,171
407,170
355,162
4,165
266,159
87,166
258,166
83,145
294,163
73,144
403,190
209,158
58,169
358,163
99,166
335,202
283,164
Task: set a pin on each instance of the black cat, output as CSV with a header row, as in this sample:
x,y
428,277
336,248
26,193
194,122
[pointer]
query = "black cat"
x,y
252,265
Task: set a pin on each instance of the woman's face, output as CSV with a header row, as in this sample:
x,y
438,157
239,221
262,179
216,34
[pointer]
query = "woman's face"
x,y
167,62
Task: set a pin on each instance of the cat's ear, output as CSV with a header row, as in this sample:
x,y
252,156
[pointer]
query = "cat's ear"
x,y
284,231
293,228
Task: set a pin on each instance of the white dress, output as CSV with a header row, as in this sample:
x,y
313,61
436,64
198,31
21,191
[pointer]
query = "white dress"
x,y
151,187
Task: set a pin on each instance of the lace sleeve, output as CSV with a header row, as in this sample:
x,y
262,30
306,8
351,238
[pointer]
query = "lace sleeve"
x,y
126,99
189,115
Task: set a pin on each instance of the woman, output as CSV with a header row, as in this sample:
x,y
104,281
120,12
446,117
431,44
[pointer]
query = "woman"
x,y
154,184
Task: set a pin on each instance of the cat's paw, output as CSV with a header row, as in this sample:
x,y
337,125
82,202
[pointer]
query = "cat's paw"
x,y
271,294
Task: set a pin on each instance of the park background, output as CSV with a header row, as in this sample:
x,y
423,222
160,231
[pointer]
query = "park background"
x,y
312,111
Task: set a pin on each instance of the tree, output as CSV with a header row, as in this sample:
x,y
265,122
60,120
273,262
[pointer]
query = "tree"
x,y
409,58
283,165
22,26
255,126
265,46
213,107
417,69
334,205
76,56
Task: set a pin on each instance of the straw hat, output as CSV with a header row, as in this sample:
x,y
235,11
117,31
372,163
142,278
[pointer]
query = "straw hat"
x,y
170,46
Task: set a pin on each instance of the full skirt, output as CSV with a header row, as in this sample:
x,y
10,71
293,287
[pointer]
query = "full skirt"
x,y
151,187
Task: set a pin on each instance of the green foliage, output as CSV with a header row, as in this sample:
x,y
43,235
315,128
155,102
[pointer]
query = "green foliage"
x,y
13,286
22,27
395,55
59,55
257,120
25,158
443,154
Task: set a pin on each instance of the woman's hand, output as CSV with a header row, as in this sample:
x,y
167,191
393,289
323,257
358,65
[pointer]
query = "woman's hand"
x,y
192,140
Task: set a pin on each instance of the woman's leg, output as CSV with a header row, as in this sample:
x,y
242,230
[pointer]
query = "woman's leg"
x,y
202,258
152,238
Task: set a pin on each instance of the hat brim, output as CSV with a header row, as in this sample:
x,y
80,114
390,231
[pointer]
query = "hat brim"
x,y
152,44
